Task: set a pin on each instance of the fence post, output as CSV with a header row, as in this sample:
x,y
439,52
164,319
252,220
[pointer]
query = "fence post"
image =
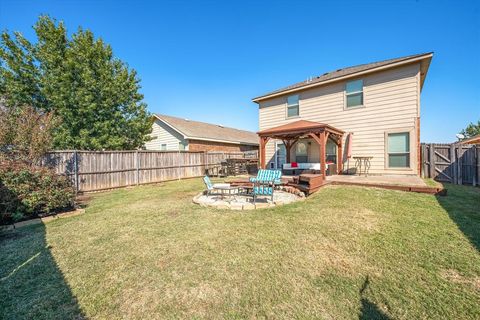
x,y
475,165
75,170
179,178
205,163
453,164
423,149
431,160
477,162
459,164
137,167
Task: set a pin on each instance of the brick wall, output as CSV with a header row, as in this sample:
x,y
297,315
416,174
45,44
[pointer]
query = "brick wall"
x,y
198,145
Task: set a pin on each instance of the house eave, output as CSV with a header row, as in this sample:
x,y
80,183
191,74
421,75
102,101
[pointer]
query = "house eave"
x,y
186,137
222,141
427,56
171,126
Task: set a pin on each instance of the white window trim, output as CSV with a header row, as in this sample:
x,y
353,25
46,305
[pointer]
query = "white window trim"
x,y
345,95
286,107
410,132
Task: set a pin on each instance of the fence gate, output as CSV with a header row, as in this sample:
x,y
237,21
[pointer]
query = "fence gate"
x,y
453,163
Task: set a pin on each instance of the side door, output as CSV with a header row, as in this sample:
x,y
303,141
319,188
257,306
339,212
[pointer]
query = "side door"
x,y
280,155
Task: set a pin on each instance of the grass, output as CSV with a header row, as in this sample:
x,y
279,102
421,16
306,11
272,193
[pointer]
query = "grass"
x,y
344,253
432,183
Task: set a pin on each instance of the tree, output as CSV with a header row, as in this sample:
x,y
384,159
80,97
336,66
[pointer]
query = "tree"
x,y
25,134
93,94
471,130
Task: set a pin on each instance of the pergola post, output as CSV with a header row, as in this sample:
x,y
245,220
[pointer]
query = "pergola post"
x,y
323,157
339,156
263,143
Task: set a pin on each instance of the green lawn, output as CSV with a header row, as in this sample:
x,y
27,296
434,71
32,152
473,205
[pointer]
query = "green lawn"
x,y
344,253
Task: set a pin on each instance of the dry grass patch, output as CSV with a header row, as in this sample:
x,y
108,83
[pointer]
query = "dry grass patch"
x,y
455,277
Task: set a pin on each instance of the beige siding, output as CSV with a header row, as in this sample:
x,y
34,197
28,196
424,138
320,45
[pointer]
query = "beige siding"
x,y
163,134
391,103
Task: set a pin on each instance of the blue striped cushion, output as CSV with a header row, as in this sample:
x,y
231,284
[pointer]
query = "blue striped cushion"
x,y
263,190
268,175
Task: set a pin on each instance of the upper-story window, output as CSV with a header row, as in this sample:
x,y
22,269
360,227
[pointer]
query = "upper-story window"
x,y
292,106
354,93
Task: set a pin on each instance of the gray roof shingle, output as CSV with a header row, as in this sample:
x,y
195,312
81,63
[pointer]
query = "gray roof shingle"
x,y
342,72
208,131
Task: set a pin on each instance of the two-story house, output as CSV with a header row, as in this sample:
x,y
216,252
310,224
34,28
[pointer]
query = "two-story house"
x,y
370,110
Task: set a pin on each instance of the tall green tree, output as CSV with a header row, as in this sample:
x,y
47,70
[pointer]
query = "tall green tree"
x,y
94,94
471,130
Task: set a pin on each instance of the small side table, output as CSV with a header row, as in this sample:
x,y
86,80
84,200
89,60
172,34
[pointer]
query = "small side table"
x,y
227,187
363,161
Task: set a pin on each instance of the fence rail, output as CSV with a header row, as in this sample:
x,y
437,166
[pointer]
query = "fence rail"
x,y
453,163
100,170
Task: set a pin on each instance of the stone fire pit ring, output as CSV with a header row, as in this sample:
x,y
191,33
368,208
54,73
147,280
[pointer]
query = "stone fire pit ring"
x,y
245,202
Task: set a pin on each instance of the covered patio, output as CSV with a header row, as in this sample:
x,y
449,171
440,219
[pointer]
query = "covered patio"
x,y
292,132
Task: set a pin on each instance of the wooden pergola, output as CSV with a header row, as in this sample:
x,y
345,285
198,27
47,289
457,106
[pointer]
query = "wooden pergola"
x,y
290,133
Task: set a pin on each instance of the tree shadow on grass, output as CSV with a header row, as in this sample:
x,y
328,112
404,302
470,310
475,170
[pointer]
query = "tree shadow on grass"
x,y
369,310
462,204
31,284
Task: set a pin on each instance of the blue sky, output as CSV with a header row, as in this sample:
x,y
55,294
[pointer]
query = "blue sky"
x,y
205,60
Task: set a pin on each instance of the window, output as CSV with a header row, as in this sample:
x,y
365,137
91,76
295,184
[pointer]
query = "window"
x,y
354,93
399,150
301,152
163,147
292,106
181,146
331,149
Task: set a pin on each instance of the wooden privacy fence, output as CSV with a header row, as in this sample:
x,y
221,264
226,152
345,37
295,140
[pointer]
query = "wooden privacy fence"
x,y
453,163
100,170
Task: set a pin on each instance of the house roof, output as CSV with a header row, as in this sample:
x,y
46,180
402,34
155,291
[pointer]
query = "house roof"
x,y
472,140
340,74
197,130
298,127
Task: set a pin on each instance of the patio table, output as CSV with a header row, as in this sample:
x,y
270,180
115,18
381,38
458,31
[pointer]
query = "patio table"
x,y
226,187
242,183
362,161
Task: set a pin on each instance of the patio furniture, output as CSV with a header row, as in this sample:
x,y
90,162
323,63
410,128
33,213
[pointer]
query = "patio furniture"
x,y
263,188
308,182
299,167
268,175
362,161
229,188
215,186
243,184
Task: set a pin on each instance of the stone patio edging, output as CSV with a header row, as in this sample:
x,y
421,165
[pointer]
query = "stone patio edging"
x,y
244,206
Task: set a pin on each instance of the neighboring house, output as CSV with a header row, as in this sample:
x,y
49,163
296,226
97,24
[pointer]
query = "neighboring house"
x,y
172,133
378,102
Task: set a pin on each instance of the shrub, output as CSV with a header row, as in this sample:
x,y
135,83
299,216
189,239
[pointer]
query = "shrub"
x,y
29,191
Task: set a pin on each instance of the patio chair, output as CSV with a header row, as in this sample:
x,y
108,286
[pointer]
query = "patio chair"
x,y
263,188
213,186
268,175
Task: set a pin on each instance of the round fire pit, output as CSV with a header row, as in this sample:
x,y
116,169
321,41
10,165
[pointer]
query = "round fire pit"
x,y
245,202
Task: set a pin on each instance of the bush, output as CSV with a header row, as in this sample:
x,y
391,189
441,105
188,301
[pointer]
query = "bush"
x,y
29,191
